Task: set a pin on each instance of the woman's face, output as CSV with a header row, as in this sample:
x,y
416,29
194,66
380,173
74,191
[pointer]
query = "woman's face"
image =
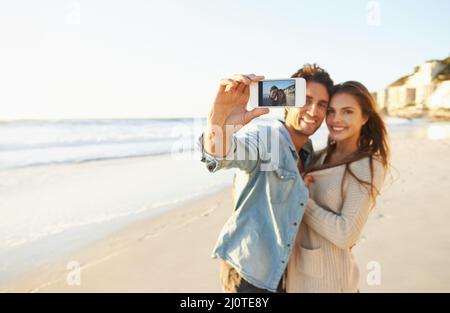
x,y
344,118
273,94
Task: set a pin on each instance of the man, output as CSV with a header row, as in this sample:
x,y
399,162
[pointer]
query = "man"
x,y
273,96
256,241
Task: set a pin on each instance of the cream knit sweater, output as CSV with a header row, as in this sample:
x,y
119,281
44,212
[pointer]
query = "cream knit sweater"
x,y
321,259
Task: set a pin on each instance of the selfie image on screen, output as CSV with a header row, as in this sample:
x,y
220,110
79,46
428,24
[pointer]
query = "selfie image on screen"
x,y
277,93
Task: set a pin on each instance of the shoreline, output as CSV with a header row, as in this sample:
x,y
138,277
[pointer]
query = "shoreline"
x,y
51,210
428,115
150,233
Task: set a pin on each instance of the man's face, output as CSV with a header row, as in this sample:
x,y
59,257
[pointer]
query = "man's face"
x,y
273,94
307,119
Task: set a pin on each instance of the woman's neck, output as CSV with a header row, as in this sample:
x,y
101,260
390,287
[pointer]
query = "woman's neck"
x,y
344,148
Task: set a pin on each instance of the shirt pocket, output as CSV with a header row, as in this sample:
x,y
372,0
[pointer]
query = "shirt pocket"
x,y
310,262
281,183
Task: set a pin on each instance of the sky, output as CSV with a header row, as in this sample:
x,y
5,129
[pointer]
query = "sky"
x,y
148,59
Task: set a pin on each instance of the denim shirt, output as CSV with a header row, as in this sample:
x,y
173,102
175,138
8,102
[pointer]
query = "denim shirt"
x,y
270,197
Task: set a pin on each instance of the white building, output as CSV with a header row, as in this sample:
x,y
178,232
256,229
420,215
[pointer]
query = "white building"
x,y
427,90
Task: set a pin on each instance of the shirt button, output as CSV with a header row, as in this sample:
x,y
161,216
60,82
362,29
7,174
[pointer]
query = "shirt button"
x,y
295,224
282,262
282,177
288,245
302,204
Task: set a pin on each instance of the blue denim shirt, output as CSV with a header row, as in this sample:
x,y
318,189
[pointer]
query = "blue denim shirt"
x,y
269,202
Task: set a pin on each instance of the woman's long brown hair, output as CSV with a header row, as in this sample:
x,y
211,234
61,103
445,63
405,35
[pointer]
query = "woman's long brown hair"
x,y
372,141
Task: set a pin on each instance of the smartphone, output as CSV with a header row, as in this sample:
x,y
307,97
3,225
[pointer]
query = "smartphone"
x,y
278,93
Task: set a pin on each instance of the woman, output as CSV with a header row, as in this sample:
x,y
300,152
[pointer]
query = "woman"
x,y
344,180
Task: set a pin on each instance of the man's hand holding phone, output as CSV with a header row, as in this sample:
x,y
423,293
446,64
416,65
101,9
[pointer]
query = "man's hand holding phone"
x,y
229,113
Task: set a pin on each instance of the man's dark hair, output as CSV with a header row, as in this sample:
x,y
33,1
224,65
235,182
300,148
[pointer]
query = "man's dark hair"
x,y
314,73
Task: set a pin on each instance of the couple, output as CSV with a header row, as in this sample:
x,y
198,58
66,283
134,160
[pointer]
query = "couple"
x,y
296,220
277,97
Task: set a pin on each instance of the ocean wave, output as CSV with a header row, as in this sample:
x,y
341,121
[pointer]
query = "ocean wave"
x,y
34,143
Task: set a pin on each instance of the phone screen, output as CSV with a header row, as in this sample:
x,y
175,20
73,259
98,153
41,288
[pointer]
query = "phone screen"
x,y
272,93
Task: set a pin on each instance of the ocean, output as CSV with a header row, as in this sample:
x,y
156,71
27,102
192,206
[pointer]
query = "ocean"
x,y
43,142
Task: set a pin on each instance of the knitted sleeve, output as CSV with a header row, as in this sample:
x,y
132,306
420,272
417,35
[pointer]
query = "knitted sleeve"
x,y
344,229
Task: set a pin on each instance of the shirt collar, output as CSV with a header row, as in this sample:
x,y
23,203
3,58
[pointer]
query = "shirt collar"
x,y
305,152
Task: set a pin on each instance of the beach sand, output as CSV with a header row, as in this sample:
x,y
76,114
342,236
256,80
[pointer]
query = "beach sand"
x,y
407,236
167,253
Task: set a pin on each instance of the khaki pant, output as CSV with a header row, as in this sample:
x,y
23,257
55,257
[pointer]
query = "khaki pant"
x,y
232,282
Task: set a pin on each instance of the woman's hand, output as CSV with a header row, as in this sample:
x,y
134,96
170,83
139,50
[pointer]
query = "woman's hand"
x,y
309,181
